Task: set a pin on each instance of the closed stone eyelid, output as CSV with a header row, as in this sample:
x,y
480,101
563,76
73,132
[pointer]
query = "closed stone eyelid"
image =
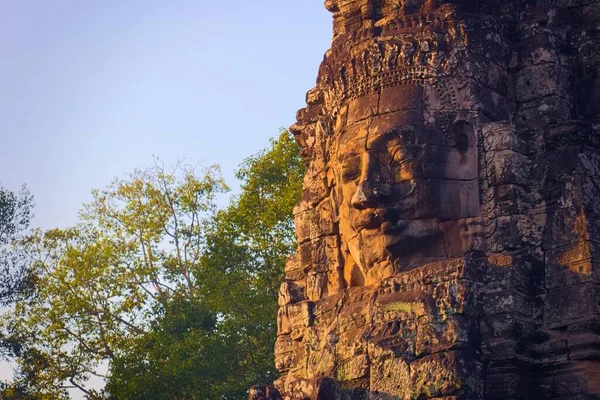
x,y
404,155
350,171
345,158
395,151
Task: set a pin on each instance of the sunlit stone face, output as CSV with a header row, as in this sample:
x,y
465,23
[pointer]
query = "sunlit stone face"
x,y
406,191
386,216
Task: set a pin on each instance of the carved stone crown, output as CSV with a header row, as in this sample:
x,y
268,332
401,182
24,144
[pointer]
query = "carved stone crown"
x,y
398,52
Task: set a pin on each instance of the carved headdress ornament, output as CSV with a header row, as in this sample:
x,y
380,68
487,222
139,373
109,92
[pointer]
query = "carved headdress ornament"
x,y
370,52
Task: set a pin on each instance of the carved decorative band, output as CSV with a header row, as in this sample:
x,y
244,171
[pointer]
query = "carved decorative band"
x,y
391,61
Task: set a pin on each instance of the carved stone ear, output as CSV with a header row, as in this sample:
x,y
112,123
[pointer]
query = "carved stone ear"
x,y
407,134
332,5
464,136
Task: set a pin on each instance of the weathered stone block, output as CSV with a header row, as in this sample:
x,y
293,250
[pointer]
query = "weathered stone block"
x,y
450,163
439,334
456,297
516,231
294,268
507,300
507,167
573,264
540,50
293,316
537,113
445,374
390,375
400,97
502,386
455,199
561,311
291,292
395,336
543,80
363,107
499,136
316,286
355,368
463,236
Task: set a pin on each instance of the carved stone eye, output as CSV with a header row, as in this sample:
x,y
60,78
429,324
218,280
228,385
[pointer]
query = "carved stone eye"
x,y
350,168
391,4
407,135
398,154
396,4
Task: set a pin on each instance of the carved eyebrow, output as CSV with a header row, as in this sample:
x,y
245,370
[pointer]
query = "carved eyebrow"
x,y
404,153
347,156
386,141
406,135
394,148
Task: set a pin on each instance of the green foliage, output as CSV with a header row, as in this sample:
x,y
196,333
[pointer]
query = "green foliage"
x,y
15,216
239,277
13,391
185,355
15,213
97,283
252,237
17,282
177,298
247,252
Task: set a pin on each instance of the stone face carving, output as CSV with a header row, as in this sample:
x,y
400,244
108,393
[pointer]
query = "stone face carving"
x,y
449,231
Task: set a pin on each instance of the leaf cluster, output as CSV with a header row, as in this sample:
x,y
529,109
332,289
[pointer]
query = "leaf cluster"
x,y
16,212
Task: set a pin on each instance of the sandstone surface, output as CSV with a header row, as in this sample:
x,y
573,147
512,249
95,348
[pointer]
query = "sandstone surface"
x,y
449,231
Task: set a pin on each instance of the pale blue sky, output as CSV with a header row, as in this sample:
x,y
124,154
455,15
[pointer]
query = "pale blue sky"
x,y
90,90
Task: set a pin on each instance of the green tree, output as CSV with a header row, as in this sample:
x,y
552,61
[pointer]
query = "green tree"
x,y
247,250
184,355
177,298
15,216
239,277
97,284
17,283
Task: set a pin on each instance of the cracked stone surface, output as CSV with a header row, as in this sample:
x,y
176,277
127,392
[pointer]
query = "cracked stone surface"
x,y
449,231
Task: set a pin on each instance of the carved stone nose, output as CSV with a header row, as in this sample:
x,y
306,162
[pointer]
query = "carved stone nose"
x,y
365,196
374,183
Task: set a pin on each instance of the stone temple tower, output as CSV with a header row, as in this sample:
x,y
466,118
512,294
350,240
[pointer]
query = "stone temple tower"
x,y
449,231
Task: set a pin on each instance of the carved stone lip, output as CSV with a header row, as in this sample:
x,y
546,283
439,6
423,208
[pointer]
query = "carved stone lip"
x,y
387,218
388,226
384,219
369,219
